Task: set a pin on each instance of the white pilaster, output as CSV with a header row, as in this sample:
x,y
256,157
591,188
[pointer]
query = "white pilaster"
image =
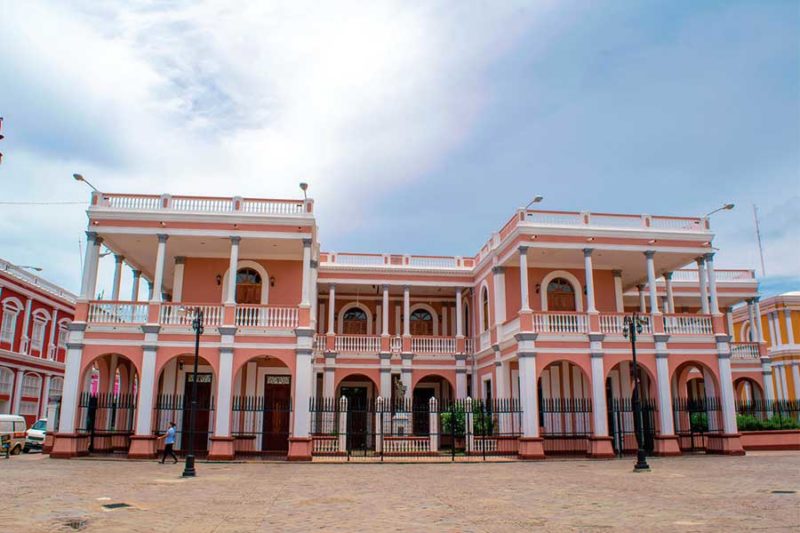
x,y
726,394
233,267
406,311
666,424
118,260
51,344
760,330
224,389
528,394
45,398
314,296
306,284
177,279
331,309
302,390
25,342
147,384
589,274
776,319
787,313
72,376
599,413
459,315
796,379
771,325
701,274
784,382
19,377
766,373
651,281
158,277
385,320
525,304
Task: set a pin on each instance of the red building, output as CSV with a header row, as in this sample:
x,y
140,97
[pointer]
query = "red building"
x,y
34,315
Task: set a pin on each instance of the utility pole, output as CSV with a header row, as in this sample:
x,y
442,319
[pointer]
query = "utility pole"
x,y
758,236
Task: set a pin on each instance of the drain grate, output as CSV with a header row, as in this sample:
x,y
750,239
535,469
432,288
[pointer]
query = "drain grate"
x,y
116,505
784,492
75,524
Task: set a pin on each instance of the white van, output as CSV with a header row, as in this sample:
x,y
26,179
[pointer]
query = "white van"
x,y
13,427
34,437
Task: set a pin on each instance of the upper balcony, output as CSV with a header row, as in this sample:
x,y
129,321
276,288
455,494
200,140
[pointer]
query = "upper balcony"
x,y
397,262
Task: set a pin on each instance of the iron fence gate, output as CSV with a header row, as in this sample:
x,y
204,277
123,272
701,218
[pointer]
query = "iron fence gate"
x,y
365,429
108,419
623,425
696,421
565,425
260,426
766,415
176,408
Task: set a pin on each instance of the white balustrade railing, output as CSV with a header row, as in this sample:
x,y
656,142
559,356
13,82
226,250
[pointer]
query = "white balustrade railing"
x,y
560,323
615,221
396,344
432,262
469,345
615,323
745,350
555,218
325,445
484,340
433,345
117,312
134,201
687,325
675,223
358,259
609,220
720,274
179,314
273,207
406,445
266,316
201,204
357,343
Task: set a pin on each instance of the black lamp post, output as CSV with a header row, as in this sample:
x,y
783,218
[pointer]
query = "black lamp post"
x,y
633,326
197,326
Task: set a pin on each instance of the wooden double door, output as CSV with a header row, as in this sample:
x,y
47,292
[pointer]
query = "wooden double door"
x,y
277,410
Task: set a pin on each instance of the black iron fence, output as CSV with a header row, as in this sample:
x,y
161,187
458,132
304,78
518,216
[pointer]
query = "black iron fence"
x,y
175,408
260,426
376,429
108,419
565,425
696,420
767,415
623,425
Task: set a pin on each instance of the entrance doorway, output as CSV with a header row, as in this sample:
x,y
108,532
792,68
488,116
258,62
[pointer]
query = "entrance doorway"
x,y
357,419
422,409
202,414
277,406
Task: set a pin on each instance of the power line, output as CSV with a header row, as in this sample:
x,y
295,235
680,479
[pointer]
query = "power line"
x,y
41,203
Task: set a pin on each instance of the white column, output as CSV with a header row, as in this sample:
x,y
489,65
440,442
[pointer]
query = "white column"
x,y
619,299
144,409
771,326
461,379
177,279
89,280
25,346
712,283
759,329
701,274
137,275
118,260
72,375
726,394
459,314
670,296
328,381
729,318
666,424
19,378
599,412
498,273
751,313
523,282
224,388
766,373
784,384
386,381
796,379
314,294
589,273
787,313
302,392
331,309
45,399
528,395
385,317
642,301
776,319
651,281
306,285
406,311
158,277
233,267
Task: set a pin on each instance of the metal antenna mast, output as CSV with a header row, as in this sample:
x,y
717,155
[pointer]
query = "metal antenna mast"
x,y
758,236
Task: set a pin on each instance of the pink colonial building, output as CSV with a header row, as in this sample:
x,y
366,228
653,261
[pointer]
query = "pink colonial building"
x,y
34,316
518,349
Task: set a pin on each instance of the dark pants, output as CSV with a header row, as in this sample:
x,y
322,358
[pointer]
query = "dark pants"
x,y
168,451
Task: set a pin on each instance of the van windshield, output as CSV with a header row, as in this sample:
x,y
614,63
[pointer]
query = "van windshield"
x,y
40,425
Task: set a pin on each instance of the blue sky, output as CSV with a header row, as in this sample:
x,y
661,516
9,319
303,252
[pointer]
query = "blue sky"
x,y
419,126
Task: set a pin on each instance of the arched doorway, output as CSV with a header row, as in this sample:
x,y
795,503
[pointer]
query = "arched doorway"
x,y
426,388
561,295
355,322
697,409
261,407
173,402
421,322
359,392
107,403
748,391
565,408
248,286
622,420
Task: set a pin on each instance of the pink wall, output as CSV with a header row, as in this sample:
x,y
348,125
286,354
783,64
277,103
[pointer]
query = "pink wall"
x,y
200,285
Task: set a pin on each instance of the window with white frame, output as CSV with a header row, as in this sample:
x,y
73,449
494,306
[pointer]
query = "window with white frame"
x,y
56,389
6,381
37,336
28,407
62,335
9,324
30,386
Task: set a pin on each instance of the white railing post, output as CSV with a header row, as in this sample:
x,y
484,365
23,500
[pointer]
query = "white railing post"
x,y
434,425
342,424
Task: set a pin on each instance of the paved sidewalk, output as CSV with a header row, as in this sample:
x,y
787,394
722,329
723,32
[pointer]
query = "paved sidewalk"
x,y
692,493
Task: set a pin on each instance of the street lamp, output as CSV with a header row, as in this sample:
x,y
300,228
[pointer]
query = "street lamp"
x,y
536,199
197,326
631,327
79,177
304,188
30,267
725,207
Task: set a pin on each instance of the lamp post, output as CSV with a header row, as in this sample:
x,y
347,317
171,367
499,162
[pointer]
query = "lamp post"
x,y
633,326
197,326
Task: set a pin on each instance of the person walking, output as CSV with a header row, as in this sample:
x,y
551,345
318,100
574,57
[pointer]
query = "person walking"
x,y
169,442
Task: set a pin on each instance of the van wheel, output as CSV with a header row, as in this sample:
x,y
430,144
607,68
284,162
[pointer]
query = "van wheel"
x,y
16,450
25,449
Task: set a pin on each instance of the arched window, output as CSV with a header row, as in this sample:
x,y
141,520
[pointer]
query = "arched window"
x,y
248,286
421,322
6,381
560,295
56,386
354,322
11,309
485,309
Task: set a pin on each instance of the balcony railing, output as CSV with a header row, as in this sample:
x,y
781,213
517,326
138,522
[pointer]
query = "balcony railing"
x,y
614,323
117,313
692,275
396,261
613,220
433,345
201,204
560,323
688,325
266,316
174,314
357,343
745,351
